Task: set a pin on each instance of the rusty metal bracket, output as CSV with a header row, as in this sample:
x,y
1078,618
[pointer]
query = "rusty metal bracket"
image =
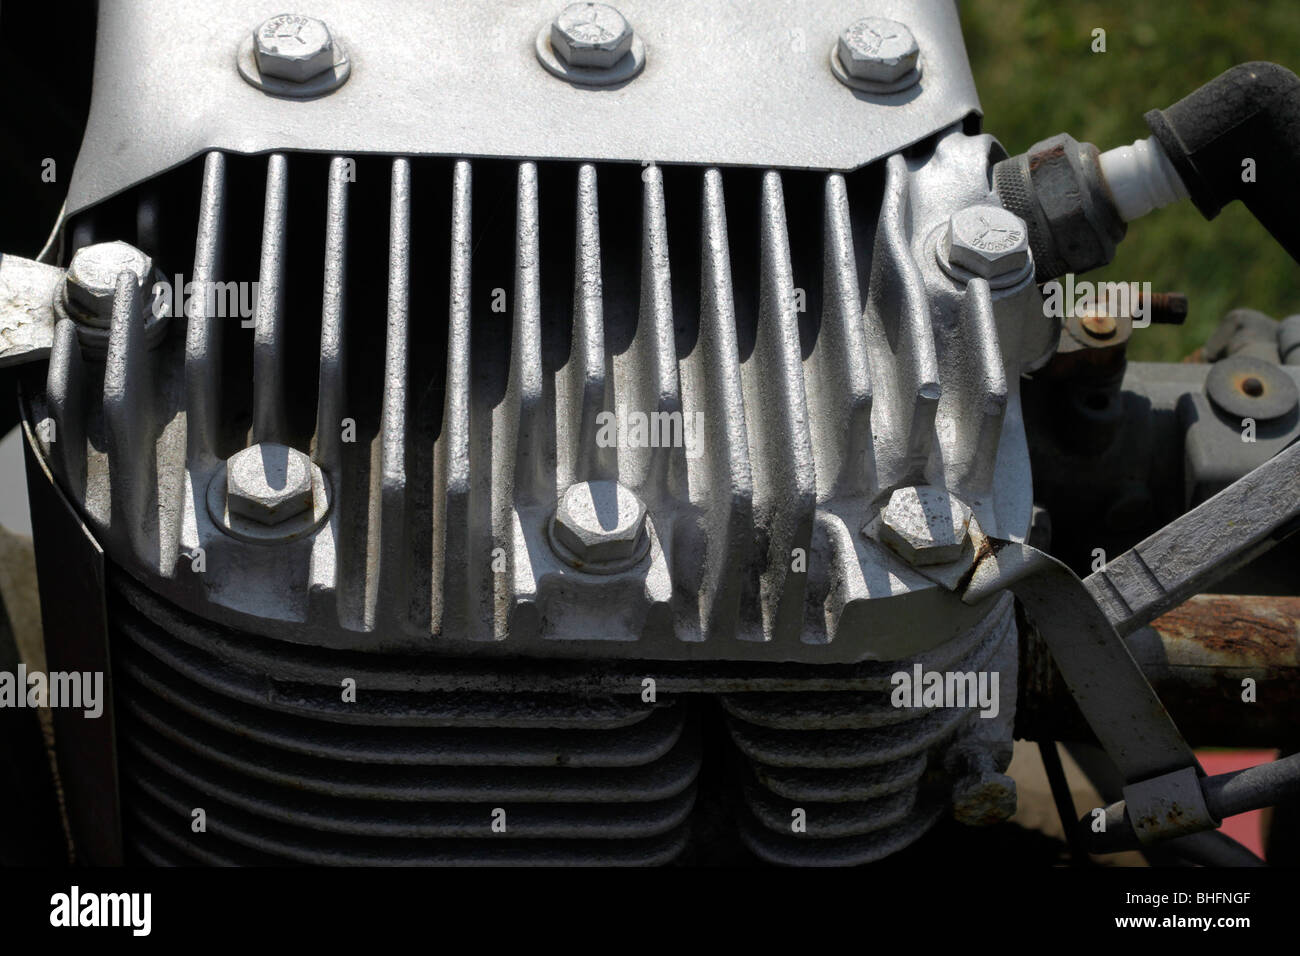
x,y
1169,806
1152,814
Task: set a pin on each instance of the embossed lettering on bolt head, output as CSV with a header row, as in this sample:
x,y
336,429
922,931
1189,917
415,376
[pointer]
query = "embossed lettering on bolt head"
x,y
268,483
592,35
92,275
987,240
877,49
924,525
600,522
293,47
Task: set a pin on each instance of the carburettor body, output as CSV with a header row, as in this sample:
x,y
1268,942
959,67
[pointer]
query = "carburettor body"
x,y
488,429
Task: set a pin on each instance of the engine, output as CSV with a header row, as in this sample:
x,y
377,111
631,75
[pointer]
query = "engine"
x,y
597,436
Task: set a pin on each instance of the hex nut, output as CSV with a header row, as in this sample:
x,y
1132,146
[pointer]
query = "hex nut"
x,y
878,50
987,241
599,523
91,282
590,35
268,483
293,47
924,525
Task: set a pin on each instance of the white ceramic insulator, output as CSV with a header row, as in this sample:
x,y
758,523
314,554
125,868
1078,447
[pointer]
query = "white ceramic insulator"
x,y
1141,178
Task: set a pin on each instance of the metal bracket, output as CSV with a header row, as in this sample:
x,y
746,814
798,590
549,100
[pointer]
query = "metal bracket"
x,y
472,86
28,290
1211,541
1081,623
1106,682
1168,806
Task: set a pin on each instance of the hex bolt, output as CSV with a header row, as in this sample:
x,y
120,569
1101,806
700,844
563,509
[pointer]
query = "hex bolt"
x,y
268,483
925,525
984,799
982,795
91,282
1168,308
878,50
599,523
591,36
987,241
293,47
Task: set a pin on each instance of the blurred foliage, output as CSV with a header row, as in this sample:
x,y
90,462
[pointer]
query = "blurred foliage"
x,y
1037,76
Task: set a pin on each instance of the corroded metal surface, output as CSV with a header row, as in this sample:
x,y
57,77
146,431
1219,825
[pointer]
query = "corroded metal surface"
x,y
1196,658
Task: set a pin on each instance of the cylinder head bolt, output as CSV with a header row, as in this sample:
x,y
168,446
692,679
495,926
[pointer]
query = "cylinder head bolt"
x,y
269,492
293,47
90,289
268,483
876,55
591,44
592,35
985,242
295,56
925,525
600,527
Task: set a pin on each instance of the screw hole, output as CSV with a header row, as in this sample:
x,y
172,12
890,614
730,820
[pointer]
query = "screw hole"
x,y
1252,387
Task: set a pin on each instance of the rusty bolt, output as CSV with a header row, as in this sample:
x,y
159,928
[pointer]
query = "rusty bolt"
x,y
987,240
293,47
983,799
878,50
599,523
268,483
590,36
91,282
1099,324
981,794
924,525
1168,308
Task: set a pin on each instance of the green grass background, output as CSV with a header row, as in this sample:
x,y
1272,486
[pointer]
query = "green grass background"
x,y
1037,76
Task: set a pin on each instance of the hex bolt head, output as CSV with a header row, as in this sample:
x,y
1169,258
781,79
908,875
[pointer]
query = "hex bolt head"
x,y
91,281
924,525
268,483
987,240
878,50
984,799
590,35
293,47
599,523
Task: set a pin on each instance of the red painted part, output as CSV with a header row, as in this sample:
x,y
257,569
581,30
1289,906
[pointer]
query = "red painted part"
x,y
1246,828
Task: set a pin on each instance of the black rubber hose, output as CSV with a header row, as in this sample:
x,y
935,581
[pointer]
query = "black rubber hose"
x,y
1250,112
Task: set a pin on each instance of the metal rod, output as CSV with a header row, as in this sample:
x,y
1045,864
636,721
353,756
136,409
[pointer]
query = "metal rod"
x,y
1197,658
1064,802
